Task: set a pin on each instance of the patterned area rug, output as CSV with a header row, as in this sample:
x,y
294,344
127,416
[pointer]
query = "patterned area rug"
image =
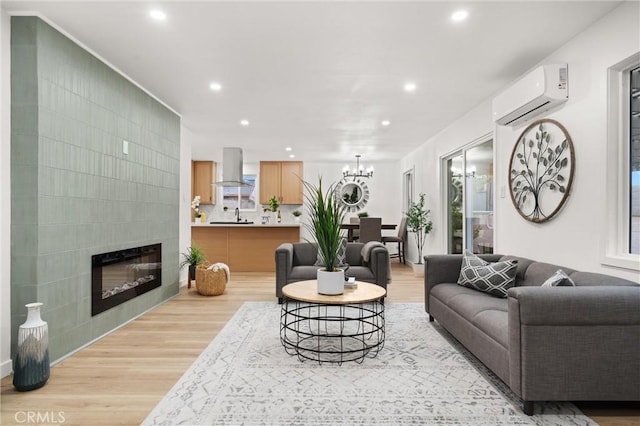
x,y
421,376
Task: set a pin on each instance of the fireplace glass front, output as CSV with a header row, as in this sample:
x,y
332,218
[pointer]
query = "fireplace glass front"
x,y
121,275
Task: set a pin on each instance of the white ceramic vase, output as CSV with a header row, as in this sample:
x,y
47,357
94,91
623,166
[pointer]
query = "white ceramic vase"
x,y
330,283
31,365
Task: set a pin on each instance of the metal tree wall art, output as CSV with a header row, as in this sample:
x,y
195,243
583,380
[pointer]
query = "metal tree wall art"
x,y
541,170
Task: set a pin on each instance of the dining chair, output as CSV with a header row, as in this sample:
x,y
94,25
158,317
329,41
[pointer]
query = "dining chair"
x,y
370,229
401,239
355,234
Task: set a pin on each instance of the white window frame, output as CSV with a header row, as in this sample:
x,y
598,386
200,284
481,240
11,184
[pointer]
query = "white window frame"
x,y
408,185
616,234
257,201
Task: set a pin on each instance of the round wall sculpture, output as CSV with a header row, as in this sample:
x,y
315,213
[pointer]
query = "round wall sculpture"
x,y
541,170
352,193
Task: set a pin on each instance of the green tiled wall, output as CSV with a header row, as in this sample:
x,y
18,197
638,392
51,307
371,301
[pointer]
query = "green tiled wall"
x,y
74,192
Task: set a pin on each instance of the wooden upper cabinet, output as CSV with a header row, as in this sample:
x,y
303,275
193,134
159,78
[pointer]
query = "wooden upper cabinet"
x,y
203,174
282,179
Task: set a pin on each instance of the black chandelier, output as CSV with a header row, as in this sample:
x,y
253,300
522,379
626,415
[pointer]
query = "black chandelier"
x,y
358,172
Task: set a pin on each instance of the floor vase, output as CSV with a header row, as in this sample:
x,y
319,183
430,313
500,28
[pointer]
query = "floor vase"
x,y
31,364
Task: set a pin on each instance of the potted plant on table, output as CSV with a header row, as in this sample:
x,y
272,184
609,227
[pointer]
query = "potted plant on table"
x,y
325,217
192,257
419,224
195,205
296,215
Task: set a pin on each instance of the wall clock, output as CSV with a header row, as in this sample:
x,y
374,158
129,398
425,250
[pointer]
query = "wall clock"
x,y
352,193
541,170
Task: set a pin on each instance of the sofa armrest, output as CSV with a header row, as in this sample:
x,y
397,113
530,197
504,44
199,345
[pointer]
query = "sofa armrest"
x,y
574,343
379,265
284,264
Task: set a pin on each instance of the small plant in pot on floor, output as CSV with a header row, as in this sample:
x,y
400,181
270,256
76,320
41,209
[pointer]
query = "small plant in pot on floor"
x,y
326,214
192,257
418,222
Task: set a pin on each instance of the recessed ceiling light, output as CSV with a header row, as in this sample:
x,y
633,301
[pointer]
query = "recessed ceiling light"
x,y
244,122
292,156
410,87
215,86
288,148
459,15
158,15
385,123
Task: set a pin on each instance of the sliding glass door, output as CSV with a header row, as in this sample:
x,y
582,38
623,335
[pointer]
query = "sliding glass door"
x,y
470,199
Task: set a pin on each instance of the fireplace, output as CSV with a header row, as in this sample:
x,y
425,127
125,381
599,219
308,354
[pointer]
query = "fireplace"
x,y
121,275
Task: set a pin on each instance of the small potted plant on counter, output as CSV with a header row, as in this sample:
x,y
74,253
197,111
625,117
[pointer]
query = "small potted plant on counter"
x,y
192,258
195,205
296,215
418,222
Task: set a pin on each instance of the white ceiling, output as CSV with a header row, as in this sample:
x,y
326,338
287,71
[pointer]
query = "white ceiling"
x,y
320,76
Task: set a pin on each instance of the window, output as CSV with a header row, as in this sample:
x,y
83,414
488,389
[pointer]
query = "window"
x,y
634,161
241,197
622,248
469,195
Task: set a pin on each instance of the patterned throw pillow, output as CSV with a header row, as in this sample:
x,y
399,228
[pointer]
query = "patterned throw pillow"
x,y
559,279
341,258
494,279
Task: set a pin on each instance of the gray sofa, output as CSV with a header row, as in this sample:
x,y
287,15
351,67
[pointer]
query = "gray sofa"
x,y
295,262
577,343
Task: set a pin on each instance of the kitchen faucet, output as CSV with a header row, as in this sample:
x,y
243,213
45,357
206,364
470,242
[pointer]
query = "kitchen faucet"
x,y
237,214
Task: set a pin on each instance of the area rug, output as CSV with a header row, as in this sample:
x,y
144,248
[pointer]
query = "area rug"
x,y
421,376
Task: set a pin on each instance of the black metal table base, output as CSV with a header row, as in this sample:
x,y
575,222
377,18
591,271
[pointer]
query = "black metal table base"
x,y
332,333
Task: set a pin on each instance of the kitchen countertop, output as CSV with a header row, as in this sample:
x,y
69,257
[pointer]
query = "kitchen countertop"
x,y
251,225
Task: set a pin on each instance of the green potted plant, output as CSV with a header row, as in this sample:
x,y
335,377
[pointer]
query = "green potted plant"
x,y
363,214
273,204
419,224
296,215
326,214
192,257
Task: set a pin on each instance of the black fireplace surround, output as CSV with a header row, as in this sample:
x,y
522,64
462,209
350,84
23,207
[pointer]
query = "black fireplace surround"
x,y
121,275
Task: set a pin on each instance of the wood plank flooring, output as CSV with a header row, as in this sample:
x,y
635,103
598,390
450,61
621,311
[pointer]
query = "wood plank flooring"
x,y
119,379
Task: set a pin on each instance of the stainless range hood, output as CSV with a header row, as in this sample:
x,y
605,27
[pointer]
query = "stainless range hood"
x,y
231,168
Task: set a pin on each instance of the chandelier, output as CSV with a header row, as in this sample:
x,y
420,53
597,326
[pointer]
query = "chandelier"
x,y
359,171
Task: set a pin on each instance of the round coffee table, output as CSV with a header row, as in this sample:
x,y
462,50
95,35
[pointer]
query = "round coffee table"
x,y
335,329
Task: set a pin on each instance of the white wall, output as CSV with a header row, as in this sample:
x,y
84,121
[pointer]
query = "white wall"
x,y
185,196
385,199
5,196
573,238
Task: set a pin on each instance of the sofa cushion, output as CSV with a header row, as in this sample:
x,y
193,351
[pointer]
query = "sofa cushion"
x,y
494,279
523,264
362,273
303,273
304,254
538,272
494,323
466,301
354,257
559,279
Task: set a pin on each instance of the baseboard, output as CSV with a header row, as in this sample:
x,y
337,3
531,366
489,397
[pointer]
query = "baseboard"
x,y
5,368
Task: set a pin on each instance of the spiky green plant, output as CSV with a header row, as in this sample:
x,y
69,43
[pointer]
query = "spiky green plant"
x,y
193,256
326,214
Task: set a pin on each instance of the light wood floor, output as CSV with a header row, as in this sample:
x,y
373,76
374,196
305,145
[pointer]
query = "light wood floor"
x,y
119,379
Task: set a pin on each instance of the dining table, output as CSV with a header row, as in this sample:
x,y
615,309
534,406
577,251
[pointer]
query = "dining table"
x,y
350,227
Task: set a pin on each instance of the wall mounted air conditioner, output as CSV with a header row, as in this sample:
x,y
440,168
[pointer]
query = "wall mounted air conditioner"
x,y
536,92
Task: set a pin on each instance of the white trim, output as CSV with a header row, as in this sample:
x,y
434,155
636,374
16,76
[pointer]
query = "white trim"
x,y
615,236
6,368
88,49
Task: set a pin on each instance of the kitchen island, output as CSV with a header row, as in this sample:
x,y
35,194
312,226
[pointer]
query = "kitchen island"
x,y
244,247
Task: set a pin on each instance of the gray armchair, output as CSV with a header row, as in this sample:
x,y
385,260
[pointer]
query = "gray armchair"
x,y
295,262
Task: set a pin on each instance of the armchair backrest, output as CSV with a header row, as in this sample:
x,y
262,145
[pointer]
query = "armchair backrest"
x,y
370,229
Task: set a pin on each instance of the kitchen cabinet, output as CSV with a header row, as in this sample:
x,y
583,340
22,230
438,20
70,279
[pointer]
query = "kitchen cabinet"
x,y
203,174
282,179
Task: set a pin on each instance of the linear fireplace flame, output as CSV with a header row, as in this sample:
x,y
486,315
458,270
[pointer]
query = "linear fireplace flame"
x,y
121,275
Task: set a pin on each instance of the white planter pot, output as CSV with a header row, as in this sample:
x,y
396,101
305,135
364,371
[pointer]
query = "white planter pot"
x,y
418,269
330,283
